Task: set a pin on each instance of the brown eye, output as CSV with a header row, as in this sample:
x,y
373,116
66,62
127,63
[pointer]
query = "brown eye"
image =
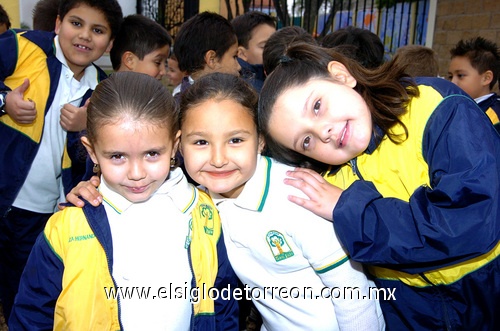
x,y
306,143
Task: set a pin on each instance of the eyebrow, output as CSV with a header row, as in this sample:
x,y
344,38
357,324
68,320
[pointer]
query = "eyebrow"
x,y
202,133
75,17
304,111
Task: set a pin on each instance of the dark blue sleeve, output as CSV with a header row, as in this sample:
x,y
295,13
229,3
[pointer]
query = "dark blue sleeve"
x,y
8,57
41,284
454,219
226,311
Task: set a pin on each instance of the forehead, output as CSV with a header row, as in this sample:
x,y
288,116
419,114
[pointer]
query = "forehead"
x,y
218,112
93,15
460,63
262,32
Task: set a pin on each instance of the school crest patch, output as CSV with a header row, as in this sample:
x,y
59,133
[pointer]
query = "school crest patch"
x,y
278,245
207,213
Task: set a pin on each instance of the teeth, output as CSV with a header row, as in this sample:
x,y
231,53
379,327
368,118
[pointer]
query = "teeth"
x,y
342,138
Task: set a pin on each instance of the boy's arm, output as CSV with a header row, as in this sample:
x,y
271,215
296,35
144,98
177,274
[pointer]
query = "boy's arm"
x,y
39,289
226,311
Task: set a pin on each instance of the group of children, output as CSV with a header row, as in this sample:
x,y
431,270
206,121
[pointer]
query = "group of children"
x,y
397,164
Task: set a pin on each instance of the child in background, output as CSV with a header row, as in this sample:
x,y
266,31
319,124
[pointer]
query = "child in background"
x,y
415,192
141,45
417,60
359,44
174,74
4,20
45,78
205,43
253,29
45,15
153,230
475,66
271,242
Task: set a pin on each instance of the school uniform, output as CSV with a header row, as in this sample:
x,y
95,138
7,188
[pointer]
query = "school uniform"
x,y
285,255
172,240
41,162
424,214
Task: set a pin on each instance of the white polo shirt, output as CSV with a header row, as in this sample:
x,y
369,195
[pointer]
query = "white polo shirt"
x,y
275,245
149,253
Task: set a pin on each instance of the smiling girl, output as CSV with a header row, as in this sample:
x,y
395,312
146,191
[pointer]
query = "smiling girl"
x,y
415,169
153,231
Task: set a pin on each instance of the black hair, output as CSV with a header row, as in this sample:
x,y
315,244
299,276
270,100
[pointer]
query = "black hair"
x,y
244,24
360,44
140,35
110,8
201,33
482,53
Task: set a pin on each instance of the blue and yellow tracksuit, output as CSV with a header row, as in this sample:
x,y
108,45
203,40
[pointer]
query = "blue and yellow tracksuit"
x,y
424,215
71,264
31,54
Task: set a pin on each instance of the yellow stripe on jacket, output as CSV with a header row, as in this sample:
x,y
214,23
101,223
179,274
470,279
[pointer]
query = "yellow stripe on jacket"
x,y
86,274
32,64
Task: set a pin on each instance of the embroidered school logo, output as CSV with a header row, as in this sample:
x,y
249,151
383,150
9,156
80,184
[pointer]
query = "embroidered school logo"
x,y
279,246
207,213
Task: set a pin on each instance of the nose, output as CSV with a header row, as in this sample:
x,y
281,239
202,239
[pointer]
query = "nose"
x,y
84,34
136,171
325,133
218,157
163,70
454,80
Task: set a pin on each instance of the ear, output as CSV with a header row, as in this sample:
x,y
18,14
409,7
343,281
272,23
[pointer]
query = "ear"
x,y
339,72
58,24
487,78
177,141
90,149
211,59
262,144
108,49
242,53
129,60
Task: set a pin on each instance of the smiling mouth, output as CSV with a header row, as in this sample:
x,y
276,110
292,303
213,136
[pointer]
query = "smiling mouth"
x,y
82,47
221,174
342,136
139,189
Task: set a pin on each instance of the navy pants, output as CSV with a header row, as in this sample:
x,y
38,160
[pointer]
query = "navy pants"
x,y
18,232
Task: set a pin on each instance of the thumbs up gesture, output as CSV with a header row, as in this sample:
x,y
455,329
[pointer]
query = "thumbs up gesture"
x,y
20,110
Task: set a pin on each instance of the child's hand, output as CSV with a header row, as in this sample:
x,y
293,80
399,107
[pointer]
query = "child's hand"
x,y
74,118
86,190
323,196
20,110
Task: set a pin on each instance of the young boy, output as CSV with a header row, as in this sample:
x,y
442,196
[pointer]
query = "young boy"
x,y
253,29
474,66
205,43
141,45
45,78
174,74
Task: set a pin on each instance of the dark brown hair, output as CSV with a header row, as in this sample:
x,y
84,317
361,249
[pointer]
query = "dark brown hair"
x,y
134,95
386,90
